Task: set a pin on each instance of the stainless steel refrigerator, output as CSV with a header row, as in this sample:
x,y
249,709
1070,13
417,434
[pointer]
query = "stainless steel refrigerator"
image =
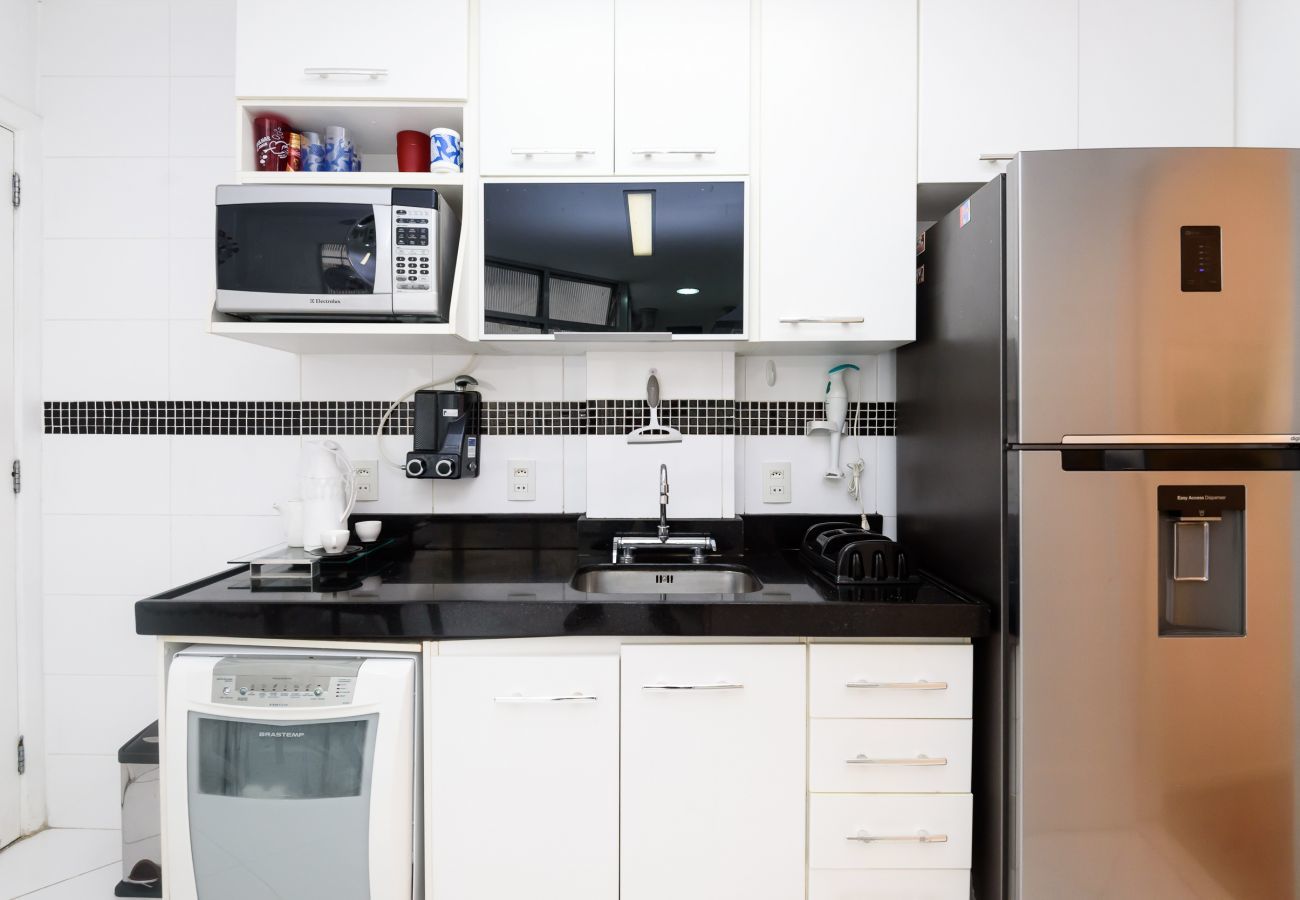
x,y
1099,432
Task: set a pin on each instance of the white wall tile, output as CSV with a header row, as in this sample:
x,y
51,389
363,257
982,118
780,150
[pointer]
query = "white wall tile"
x,y
106,474
682,375
623,479
363,377
125,284
209,367
95,636
203,37
810,490
804,377
886,475
94,714
891,527
112,555
82,791
575,473
575,378
232,475
121,38
105,117
487,493
86,360
113,198
519,377
191,193
204,545
202,117
397,493
887,377
19,73
192,278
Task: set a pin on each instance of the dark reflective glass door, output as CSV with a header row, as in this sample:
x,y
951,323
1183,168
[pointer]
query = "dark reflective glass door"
x,y
296,248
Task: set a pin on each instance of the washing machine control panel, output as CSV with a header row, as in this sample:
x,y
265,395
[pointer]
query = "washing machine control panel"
x,y
276,682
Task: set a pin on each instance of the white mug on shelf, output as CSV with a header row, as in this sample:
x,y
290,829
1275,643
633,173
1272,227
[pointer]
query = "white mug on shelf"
x,y
335,541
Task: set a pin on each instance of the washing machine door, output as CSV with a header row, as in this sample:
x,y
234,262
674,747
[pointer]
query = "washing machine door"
x,y
280,808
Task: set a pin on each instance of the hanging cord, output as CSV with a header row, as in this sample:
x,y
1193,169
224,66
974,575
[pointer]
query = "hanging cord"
x,y
470,365
856,468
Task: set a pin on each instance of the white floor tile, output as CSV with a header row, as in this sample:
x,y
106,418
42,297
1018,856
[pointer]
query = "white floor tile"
x,y
96,885
57,855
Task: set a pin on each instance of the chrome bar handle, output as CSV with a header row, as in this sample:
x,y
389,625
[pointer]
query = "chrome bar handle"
x,y
823,320
551,151
863,760
674,152
719,686
997,157
900,685
921,837
557,698
372,74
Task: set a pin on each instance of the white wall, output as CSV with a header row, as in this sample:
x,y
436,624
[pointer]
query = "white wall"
x,y
18,72
1268,72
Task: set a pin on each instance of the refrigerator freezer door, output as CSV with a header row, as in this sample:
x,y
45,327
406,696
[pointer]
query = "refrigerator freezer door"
x,y
1153,292
1153,766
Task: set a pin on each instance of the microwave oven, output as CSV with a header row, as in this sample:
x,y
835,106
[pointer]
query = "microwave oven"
x,y
314,251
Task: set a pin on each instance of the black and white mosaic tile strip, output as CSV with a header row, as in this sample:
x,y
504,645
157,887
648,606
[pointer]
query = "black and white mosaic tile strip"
x,y
501,417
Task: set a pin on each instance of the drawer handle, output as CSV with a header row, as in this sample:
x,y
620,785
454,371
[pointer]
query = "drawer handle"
x,y
823,320
900,685
372,74
863,760
997,157
551,151
674,152
718,686
921,837
558,698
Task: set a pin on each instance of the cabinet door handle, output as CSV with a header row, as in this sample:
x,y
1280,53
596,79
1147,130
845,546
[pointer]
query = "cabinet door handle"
x,y
664,151
718,686
921,837
997,157
372,74
823,320
899,685
551,151
557,698
863,760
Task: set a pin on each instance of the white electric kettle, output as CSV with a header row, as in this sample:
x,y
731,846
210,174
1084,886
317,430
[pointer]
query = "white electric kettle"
x,y
327,485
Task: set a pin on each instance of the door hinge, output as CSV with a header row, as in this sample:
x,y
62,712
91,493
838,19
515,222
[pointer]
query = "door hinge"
x,y
17,473
22,756
17,183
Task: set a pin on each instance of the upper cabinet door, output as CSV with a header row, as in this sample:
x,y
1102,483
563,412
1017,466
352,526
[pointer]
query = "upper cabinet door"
x,y
837,187
683,87
407,49
546,87
997,77
1156,74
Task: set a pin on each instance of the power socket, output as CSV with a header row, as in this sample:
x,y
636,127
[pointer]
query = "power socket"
x,y
776,482
365,473
521,479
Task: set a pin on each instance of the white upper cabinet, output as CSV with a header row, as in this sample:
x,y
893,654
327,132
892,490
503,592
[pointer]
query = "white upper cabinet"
x,y
406,49
546,87
682,102
996,77
837,180
1158,73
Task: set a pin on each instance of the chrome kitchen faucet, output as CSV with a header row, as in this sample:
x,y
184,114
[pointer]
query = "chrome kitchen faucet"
x,y
626,545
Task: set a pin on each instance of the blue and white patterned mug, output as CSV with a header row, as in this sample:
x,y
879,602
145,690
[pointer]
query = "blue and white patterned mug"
x,y
444,151
313,152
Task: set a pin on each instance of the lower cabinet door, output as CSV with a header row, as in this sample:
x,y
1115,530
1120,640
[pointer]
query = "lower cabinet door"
x,y
523,778
889,884
713,769
889,831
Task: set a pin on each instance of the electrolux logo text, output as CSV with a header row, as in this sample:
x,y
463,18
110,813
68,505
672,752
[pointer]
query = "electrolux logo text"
x,y
326,300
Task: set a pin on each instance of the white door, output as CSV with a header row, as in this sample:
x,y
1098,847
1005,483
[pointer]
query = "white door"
x,y
8,583
546,87
837,196
416,49
714,754
682,105
524,790
1159,73
997,77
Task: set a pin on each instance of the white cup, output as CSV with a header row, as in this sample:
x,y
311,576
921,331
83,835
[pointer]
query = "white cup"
x,y
369,530
335,541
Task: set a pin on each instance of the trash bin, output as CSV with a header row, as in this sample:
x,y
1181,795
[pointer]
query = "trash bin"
x,y
141,817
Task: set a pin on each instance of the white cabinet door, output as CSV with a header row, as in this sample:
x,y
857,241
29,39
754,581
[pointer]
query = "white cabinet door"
x,y
546,87
837,195
524,778
1156,74
682,104
997,77
416,49
713,772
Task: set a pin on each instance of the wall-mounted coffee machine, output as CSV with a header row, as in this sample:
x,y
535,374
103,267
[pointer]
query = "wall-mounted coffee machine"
x,y
448,427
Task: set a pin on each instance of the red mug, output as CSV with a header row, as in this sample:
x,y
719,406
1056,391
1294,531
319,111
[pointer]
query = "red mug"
x,y
412,151
270,143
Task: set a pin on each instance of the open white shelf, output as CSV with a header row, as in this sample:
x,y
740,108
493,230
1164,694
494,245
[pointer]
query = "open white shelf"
x,y
450,186
343,337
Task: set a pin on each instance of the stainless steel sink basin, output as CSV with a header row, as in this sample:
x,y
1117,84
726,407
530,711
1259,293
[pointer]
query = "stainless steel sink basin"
x,y
671,579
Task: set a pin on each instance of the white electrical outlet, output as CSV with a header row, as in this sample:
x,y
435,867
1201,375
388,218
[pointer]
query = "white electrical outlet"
x,y
365,472
521,479
776,482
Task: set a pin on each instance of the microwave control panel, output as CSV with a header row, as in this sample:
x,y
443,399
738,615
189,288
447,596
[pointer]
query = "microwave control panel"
x,y
412,257
272,682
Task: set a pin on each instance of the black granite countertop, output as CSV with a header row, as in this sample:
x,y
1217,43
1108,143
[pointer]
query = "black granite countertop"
x,y
445,581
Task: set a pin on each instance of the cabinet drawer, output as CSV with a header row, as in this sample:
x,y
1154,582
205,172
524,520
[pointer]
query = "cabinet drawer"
x,y
890,756
889,831
878,681
894,884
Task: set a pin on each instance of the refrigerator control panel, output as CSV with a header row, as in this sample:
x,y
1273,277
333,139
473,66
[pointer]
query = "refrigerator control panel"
x,y
1202,258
